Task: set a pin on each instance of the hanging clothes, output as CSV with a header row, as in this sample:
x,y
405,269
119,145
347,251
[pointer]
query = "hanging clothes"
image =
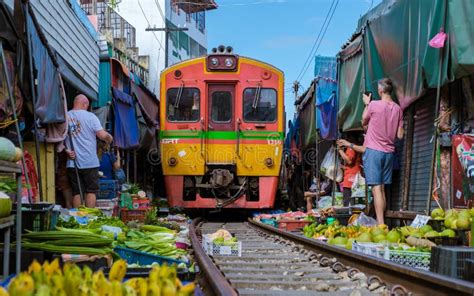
x,y
327,118
126,133
49,104
326,98
103,115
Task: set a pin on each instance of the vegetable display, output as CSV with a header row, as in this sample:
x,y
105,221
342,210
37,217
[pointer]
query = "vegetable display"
x,y
68,241
156,243
50,279
337,234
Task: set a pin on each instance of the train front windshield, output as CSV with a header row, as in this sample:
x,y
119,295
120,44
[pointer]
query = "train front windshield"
x,y
183,104
260,107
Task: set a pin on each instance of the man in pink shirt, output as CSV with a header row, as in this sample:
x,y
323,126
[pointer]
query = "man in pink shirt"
x,y
384,122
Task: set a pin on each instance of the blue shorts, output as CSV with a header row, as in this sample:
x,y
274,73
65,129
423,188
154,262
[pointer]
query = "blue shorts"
x,y
378,167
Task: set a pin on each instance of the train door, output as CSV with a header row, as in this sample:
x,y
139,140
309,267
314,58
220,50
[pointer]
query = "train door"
x,y
221,124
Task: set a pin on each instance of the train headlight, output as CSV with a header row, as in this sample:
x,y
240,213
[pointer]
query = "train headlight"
x,y
172,161
222,62
214,61
229,62
269,162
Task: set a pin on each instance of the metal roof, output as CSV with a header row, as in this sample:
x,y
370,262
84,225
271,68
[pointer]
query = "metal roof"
x,y
71,40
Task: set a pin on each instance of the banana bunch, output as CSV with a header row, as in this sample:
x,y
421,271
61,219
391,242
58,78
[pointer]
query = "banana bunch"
x,y
50,280
162,280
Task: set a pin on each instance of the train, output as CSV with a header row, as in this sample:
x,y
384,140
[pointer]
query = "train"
x,y
222,128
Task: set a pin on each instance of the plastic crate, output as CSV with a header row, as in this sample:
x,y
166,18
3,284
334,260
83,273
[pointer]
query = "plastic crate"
x,y
450,261
418,260
142,258
35,217
230,249
132,215
292,225
445,240
108,189
469,271
371,249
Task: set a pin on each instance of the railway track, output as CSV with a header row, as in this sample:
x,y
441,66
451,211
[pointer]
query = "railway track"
x,y
276,262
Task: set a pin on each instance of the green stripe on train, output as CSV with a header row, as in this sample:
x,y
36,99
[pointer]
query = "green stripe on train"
x,y
222,135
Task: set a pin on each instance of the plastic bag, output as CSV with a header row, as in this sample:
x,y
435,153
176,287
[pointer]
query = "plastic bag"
x,y
325,202
328,160
364,220
358,186
327,166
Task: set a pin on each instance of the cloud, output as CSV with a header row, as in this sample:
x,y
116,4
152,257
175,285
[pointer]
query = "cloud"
x,y
286,41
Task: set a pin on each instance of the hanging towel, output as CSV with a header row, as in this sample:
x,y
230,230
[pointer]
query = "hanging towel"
x,y
126,134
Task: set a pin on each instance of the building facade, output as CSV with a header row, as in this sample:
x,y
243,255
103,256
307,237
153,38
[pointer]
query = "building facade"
x,y
172,15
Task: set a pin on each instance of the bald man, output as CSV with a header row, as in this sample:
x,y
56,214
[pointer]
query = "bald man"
x,y
85,128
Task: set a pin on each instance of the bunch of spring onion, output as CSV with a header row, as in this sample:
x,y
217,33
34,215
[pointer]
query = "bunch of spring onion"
x,y
68,241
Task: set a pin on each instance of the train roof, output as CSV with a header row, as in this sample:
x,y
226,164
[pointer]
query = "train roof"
x,y
181,63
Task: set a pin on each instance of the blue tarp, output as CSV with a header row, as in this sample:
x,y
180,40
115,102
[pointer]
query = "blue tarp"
x,y
105,84
126,134
83,18
49,102
326,97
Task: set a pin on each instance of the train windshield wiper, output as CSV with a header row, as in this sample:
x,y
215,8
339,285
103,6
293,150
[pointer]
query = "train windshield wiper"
x,y
256,99
179,95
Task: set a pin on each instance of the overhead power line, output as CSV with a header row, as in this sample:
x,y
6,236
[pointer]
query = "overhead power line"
x,y
149,25
319,39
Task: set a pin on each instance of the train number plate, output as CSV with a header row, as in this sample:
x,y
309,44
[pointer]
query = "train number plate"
x,y
274,142
169,141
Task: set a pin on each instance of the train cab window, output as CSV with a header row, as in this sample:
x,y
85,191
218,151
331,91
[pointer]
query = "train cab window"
x,y
221,106
260,105
183,104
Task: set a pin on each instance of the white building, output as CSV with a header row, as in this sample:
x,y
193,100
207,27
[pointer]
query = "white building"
x,y
173,15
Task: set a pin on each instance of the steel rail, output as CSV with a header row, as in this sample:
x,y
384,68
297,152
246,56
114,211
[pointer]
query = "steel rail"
x,y
216,279
396,276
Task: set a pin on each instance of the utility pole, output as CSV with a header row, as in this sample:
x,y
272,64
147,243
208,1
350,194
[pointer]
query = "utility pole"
x,y
167,32
296,85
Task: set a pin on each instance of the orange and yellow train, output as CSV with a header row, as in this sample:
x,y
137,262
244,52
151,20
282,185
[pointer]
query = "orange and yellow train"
x,y
222,130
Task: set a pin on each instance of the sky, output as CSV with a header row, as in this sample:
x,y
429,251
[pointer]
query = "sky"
x,y
283,32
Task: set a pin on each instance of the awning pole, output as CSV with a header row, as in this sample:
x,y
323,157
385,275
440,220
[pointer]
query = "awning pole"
x,y
34,99
435,134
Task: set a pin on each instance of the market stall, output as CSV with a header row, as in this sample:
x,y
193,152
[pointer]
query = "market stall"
x,y
438,243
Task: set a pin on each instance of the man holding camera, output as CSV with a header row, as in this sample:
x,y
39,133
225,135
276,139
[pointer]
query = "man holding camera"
x,y
383,121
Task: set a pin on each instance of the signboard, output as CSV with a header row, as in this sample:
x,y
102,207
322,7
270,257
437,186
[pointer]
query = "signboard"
x,y
462,163
420,220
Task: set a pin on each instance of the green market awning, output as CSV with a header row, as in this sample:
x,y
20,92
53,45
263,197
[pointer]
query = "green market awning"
x,y
392,41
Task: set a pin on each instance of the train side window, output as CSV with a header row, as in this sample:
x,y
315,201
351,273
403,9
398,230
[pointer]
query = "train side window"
x,y
183,105
221,106
260,108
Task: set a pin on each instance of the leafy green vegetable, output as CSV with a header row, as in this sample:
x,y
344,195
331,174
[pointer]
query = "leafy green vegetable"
x,y
8,186
133,189
157,243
